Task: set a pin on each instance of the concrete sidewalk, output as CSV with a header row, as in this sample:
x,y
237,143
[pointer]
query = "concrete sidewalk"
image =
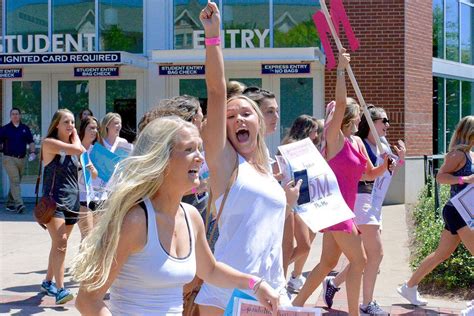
x,y
25,248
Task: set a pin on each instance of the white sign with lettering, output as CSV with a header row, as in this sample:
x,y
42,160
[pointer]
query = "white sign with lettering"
x,y
246,38
40,43
325,206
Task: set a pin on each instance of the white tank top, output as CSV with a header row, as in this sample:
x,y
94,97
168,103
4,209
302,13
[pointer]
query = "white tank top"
x,y
151,281
250,231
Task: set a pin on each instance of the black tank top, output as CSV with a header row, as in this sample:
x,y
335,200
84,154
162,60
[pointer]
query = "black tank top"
x,y
66,188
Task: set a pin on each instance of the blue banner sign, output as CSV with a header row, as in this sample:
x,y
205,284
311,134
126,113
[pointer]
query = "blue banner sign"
x,y
96,71
9,73
59,58
182,70
285,69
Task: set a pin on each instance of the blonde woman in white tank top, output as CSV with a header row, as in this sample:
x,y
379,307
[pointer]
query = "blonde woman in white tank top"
x,y
251,224
148,244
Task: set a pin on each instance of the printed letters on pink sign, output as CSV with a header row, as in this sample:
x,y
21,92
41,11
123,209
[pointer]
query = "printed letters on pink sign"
x,y
338,16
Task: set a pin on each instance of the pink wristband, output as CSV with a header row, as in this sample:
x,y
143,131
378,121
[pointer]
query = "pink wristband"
x,y
401,162
460,181
194,190
252,282
212,41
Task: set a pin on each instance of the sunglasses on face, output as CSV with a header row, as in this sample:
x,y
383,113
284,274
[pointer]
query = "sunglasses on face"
x,y
384,120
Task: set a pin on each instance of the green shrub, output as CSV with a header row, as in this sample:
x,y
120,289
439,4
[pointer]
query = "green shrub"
x,y
458,271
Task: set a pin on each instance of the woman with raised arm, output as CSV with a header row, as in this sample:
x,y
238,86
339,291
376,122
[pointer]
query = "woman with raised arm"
x,y
347,157
89,135
60,149
147,243
368,218
457,171
251,221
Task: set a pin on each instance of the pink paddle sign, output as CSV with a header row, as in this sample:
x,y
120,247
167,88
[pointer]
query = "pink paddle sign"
x,y
338,17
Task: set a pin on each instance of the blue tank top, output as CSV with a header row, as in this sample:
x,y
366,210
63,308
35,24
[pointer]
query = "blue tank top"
x,y
466,170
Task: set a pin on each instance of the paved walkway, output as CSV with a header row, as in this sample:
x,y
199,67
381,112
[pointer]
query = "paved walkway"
x,y
24,249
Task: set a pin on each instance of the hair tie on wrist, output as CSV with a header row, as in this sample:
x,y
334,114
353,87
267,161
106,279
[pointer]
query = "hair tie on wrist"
x,y
401,162
212,41
460,180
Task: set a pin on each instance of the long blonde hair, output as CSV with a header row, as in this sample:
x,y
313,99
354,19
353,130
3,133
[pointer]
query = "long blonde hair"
x,y
135,178
463,136
109,117
261,154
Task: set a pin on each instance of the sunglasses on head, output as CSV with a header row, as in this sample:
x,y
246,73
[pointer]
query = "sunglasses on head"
x,y
384,120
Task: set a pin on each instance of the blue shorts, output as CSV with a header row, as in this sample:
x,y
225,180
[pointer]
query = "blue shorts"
x,y
452,220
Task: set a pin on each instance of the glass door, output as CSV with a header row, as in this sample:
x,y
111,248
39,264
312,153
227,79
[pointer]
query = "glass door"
x,y
31,96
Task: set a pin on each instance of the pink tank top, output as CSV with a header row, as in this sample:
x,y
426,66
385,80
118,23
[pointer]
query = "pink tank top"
x,y
348,165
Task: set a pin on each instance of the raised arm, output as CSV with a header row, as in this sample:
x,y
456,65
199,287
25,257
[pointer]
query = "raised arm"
x,y
216,85
52,146
334,136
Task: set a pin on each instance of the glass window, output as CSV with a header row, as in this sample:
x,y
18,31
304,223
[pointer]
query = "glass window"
x,y
246,23
296,98
121,25
74,96
293,24
438,29
26,95
467,34
75,19
188,30
452,30
452,107
196,88
121,98
24,19
438,115
467,98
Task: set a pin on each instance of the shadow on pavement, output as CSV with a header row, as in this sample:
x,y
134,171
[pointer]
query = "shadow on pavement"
x,y
27,306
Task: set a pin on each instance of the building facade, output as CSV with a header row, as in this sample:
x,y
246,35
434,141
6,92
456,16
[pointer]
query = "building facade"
x,y
126,55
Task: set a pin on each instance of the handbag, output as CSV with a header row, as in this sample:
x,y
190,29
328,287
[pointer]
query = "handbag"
x,y
191,289
46,206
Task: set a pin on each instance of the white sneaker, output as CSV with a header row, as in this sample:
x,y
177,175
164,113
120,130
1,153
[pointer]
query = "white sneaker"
x,y
469,311
411,294
297,283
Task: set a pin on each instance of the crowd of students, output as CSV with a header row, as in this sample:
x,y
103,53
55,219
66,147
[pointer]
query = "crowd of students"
x,y
202,196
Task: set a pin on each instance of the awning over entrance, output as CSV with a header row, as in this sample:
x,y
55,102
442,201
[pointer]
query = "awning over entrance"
x,y
277,55
77,58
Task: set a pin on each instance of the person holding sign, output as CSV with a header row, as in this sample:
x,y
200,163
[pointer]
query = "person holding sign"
x,y
60,149
148,243
457,171
368,216
295,229
110,128
251,220
89,135
347,157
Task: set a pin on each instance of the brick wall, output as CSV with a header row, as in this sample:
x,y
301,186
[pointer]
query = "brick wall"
x,y
419,77
387,70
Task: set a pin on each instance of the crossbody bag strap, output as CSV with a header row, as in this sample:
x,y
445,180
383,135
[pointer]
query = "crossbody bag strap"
x,y
38,179
231,181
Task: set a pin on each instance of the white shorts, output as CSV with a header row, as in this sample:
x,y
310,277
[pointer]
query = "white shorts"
x,y
365,214
210,295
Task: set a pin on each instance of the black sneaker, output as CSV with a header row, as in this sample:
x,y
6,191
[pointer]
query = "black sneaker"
x,y
20,209
372,309
329,291
11,209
